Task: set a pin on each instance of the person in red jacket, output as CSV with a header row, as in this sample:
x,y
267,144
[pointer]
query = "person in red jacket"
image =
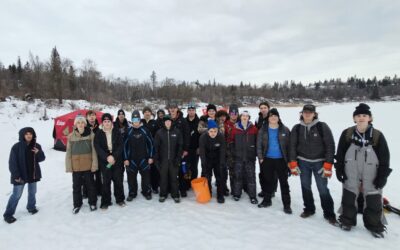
x,y
244,137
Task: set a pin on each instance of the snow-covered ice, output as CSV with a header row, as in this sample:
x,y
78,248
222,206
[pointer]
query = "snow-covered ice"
x,y
146,224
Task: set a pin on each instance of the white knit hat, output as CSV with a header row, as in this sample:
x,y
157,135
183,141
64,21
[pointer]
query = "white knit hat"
x,y
79,118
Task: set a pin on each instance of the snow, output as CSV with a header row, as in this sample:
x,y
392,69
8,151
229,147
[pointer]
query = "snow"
x,y
146,224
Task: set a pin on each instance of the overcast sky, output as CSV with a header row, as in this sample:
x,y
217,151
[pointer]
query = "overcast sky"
x,y
231,41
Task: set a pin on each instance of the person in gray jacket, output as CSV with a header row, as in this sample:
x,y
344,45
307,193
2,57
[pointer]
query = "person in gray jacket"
x,y
312,150
273,141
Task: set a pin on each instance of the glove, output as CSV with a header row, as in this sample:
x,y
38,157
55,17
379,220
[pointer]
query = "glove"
x,y
188,175
380,182
294,168
326,170
341,175
381,177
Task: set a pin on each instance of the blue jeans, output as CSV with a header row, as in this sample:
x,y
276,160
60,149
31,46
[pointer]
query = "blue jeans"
x,y
16,195
307,169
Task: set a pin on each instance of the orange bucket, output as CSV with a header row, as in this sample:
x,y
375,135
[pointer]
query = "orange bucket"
x,y
201,190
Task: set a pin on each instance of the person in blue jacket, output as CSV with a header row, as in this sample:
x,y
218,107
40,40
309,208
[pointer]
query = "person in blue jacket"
x,y
25,169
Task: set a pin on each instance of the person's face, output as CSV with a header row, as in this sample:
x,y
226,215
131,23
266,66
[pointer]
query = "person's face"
x,y
160,115
107,124
147,115
211,113
28,136
222,118
362,120
121,117
136,124
173,111
233,116
168,124
91,118
80,125
212,132
264,109
273,119
191,112
244,118
308,116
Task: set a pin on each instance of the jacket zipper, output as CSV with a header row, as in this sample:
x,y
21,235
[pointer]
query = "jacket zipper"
x,y
34,165
168,144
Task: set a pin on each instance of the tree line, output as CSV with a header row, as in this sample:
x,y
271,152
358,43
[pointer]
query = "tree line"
x,y
58,78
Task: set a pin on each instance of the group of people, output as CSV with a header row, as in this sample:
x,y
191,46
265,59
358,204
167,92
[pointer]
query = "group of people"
x,y
166,151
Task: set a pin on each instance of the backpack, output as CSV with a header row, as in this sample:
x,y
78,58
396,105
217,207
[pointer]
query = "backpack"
x,y
375,135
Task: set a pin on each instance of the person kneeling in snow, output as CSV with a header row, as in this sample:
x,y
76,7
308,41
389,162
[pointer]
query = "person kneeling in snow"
x,y
362,159
168,147
81,161
24,167
108,145
212,153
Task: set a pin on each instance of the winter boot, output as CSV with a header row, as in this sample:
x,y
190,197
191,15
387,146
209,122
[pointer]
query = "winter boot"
x,y
253,200
287,210
10,219
33,211
76,210
265,203
306,214
220,199
162,198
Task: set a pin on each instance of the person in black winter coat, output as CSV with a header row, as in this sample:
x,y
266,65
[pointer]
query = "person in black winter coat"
x,y
159,119
93,124
109,146
213,155
261,120
273,141
121,123
193,156
312,150
138,156
362,162
24,167
168,152
152,126
180,123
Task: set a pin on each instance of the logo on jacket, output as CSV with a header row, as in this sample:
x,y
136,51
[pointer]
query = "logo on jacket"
x,y
137,136
217,144
173,135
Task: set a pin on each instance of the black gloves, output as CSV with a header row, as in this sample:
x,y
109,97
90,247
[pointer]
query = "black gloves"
x,y
381,177
341,175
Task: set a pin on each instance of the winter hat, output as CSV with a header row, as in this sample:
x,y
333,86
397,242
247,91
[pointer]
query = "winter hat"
x,y
135,116
211,106
264,103
191,105
309,108
245,112
106,116
79,118
211,124
147,109
233,108
160,111
362,108
273,111
121,112
167,118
